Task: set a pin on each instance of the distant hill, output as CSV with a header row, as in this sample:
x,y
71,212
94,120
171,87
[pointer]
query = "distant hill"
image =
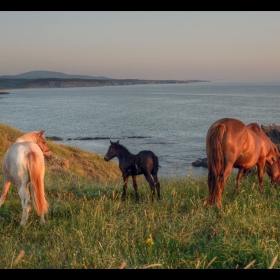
x,y
51,79
39,74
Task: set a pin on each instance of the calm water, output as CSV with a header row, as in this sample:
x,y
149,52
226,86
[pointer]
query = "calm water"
x,y
170,120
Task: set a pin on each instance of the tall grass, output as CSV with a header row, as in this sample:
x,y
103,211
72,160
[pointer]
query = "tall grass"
x,y
89,226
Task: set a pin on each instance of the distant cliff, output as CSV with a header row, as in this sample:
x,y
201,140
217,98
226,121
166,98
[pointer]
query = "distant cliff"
x,y
8,83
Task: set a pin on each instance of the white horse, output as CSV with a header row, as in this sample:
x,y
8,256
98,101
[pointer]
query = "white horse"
x,y
23,163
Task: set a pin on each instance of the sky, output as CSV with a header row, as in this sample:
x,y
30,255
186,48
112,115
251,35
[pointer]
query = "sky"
x,y
153,45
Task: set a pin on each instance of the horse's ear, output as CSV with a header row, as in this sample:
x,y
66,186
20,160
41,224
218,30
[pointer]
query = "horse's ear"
x,y
111,142
42,132
118,142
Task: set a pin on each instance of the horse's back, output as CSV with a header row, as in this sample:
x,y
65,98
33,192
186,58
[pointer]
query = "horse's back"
x,y
228,132
21,149
15,160
149,159
233,127
256,129
147,154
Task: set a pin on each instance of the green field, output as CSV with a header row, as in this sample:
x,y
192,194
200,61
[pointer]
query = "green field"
x,y
89,226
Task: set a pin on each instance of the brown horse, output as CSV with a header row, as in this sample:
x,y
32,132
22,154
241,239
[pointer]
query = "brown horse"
x,y
232,144
23,163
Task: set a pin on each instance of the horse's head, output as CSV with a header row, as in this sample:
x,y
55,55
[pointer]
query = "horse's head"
x,y
273,170
41,141
111,151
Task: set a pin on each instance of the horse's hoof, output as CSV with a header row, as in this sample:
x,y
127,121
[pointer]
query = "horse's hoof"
x,y
218,206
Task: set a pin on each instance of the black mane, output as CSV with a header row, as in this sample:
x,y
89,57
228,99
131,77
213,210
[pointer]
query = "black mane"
x,y
122,146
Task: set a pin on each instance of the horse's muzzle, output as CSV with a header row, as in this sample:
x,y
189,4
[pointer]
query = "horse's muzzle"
x,y
106,158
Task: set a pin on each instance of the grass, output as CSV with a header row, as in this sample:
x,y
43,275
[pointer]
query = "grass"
x,y
88,226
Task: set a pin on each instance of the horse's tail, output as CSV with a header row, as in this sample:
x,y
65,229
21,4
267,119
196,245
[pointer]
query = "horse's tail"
x,y
155,162
36,169
216,161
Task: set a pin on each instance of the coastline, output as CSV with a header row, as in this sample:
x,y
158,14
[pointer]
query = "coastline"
x,y
9,84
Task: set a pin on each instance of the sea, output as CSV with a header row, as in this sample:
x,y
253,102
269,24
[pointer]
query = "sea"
x,y
169,119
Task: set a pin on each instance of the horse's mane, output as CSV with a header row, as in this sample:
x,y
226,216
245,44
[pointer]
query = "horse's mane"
x,y
255,127
122,147
31,136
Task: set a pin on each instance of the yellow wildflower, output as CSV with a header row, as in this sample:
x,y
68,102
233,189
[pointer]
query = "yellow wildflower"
x,y
149,241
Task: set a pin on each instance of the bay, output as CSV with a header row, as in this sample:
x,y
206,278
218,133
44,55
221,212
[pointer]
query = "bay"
x,y
171,120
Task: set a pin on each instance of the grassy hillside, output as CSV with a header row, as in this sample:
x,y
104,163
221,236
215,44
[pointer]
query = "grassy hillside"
x,y
66,160
89,226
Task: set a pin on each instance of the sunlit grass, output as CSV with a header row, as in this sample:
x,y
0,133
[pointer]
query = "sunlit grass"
x,y
89,226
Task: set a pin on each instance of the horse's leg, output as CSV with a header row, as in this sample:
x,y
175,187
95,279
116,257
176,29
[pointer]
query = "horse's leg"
x,y
221,184
135,186
246,172
238,179
24,195
260,167
151,181
4,191
125,180
212,182
157,184
42,219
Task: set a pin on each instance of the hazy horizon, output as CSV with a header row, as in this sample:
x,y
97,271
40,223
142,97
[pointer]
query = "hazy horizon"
x,y
158,45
